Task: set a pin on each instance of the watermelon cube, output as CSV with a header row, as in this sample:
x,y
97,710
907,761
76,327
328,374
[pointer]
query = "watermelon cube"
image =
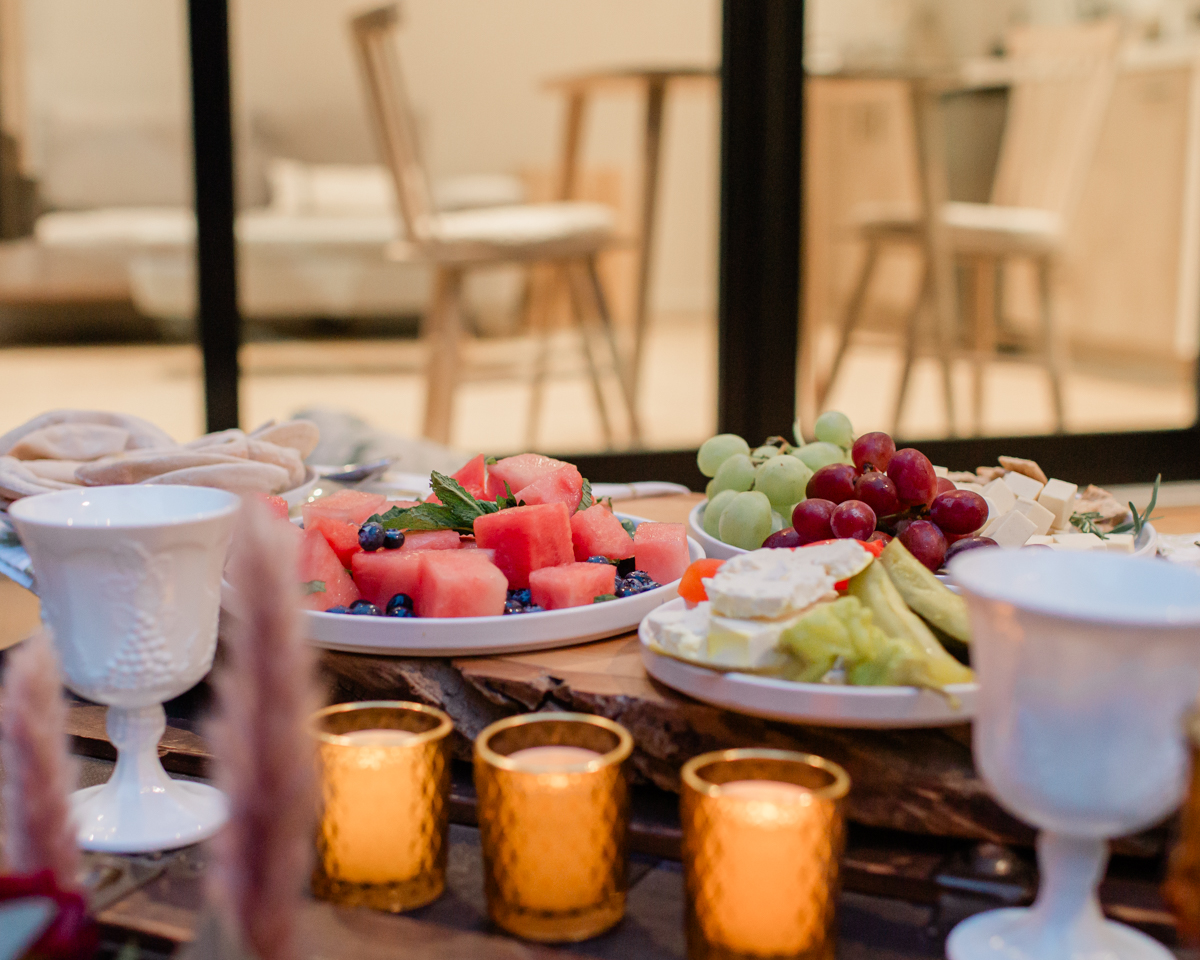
x,y
277,505
431,540
522,470
384,573
571,584
564,485
322,574
348,506
526,538
595,532
661,550
459,584
343,537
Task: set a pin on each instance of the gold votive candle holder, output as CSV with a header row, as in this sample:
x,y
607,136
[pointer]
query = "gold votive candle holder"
x,y
385,790
763,832
553,811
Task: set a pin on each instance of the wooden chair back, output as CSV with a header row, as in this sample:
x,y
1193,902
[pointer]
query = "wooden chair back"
x,y
1063,78
391,113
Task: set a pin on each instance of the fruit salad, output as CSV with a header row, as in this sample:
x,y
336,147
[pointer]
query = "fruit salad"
x,y
840,486
842,611
515,536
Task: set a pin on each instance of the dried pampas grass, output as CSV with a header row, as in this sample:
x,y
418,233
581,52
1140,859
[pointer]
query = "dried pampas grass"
x,y
39,773
264,755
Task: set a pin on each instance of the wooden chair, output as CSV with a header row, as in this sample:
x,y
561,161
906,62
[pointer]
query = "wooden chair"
x,y
1060,81
568,235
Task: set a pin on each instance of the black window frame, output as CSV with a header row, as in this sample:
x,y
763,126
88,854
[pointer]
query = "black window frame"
x,y
759,273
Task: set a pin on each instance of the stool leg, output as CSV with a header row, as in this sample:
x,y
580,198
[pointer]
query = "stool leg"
x,y
539,325
581,315
626,375
985,332
1051,343
442,366
910,344
850,320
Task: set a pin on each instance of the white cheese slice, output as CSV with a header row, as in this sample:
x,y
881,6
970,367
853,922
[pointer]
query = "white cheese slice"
x,y
1041,517
1012,529
973,487
680,631
737,642
1077,541
1058,497
1022,486
1000,495
1119,543
770,584
940,471
1037,540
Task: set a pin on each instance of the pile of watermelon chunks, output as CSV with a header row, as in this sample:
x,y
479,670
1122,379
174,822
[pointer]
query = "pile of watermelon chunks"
x,y
539,538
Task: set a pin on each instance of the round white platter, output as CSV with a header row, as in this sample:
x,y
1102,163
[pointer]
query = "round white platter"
x,y
1146,544
299,495
818,704
482,636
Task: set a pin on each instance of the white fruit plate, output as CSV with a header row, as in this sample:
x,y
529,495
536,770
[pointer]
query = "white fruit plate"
x,y
1146,544
480,636
819,704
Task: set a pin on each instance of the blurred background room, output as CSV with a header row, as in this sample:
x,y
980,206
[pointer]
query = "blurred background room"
x,y
1001,215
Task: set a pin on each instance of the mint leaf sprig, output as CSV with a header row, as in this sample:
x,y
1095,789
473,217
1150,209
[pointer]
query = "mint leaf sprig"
x,y
457,511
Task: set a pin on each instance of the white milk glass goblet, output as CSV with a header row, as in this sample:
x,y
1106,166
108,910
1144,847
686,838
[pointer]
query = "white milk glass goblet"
x,y
129,578
1087,665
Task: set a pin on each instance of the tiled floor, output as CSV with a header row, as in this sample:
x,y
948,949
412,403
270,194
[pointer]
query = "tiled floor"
x,y
380,381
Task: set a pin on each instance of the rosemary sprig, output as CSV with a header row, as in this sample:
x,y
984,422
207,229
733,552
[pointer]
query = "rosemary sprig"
x,y
1086,523
1140,520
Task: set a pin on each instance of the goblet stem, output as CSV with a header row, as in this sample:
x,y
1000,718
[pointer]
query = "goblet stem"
x,y
1070,869
140,808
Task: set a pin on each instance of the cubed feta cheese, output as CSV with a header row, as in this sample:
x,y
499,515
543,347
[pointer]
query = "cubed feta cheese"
x,y
1042,541
680,631
940,471
973,487
1058,497
1119,543
1000,495
1011,530
736,642
1021,485
1041,517
1077,541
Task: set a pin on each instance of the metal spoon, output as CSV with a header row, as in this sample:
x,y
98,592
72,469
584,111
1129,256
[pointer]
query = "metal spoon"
x,y
358,472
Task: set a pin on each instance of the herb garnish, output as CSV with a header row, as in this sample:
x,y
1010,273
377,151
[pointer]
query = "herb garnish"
x,y
1140,520
604,598
1086,523
314,586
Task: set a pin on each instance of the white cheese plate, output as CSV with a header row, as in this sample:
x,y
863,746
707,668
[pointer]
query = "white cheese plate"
x,y
482,636
1146,544
817,704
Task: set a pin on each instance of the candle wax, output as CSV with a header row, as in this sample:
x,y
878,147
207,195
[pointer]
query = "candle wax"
x,y
553,756
559,864
374,804
771,862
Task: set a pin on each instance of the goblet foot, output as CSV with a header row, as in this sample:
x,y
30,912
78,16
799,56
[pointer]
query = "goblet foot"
x,y
1014,934
141,809
1065,922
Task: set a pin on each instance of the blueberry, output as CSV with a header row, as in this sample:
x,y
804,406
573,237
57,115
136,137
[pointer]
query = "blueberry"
x,y
401,612
641,575
523,597
637,582
625,567
534,608
399,600
598,560
364,608
623,589
513,606
338,609
393,539
371,536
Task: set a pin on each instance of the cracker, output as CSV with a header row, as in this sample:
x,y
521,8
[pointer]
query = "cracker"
x,y
71,441
267,452
301,435
61,470
142,433
142,465
17,481
242,476
1027,467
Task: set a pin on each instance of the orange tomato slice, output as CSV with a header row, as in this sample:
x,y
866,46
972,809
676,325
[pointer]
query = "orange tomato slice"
x,y
691,584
